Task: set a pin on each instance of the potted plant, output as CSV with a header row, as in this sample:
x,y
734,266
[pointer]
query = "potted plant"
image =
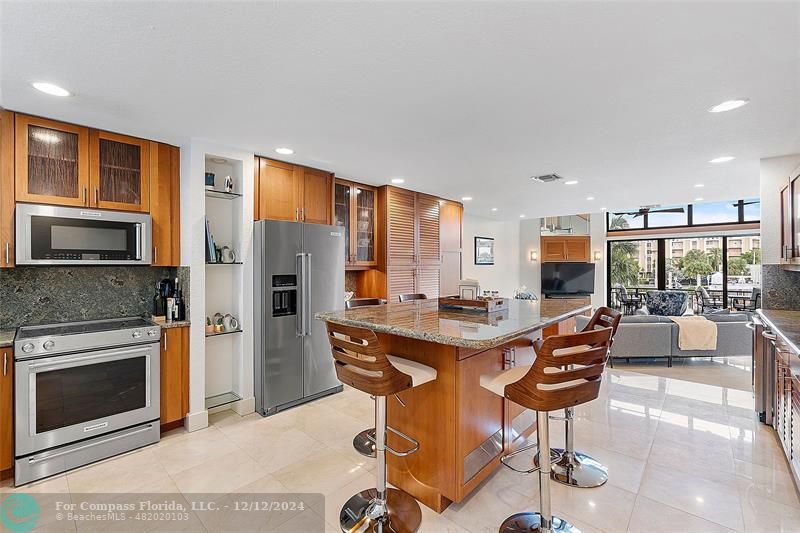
x,y
209,326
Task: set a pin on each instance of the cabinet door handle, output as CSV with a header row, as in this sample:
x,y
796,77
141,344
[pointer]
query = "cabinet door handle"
x,y
96,196
8,260
303,214
5,363
84,196
165,341
155,254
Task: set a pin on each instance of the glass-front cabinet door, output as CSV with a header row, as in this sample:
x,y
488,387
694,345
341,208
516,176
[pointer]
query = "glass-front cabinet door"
x,y
119,172
51,162
364,225
341,215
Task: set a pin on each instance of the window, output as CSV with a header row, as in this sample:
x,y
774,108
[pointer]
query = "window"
x,y
677,216
715,213
668,216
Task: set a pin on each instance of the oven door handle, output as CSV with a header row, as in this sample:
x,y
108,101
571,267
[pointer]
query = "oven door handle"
x,y
34,460
67,362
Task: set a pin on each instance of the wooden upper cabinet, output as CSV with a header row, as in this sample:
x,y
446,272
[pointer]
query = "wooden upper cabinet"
x,y
316,193
278,191
401,225
51,162
450,219
165,203
7,189
355,208
428,209
566,248
119,172
786,225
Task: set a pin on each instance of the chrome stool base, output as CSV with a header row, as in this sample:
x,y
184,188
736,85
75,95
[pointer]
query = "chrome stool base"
x,y
364,443
578,470
403,515
532,523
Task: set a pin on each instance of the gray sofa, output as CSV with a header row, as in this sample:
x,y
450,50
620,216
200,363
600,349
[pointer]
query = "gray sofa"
x,y
657,336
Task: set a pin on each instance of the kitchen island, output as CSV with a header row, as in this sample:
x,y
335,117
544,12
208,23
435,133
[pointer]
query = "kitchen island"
x,y
463,429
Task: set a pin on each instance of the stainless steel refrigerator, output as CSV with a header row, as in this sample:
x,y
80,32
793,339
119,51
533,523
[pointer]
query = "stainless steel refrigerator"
x,y
299,271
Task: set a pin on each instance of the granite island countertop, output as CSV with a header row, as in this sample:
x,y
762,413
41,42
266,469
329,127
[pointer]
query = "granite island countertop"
x,y
7,337
425,320
786,324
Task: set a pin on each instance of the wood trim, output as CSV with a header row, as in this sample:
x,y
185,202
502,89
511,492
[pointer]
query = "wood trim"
x,y
21,123
175,205
95,136
185,370
622,235
7,187
256,186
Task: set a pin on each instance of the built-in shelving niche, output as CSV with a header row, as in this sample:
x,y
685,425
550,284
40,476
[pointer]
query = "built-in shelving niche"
x,y
224,284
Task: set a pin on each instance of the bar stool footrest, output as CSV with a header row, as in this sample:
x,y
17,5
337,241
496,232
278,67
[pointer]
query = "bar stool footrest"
x,y
370,435
505,458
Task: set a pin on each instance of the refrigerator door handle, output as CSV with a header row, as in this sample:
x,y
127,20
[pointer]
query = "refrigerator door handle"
x,y
300,270
307,296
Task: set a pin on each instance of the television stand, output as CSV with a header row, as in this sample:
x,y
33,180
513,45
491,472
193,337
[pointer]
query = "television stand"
x,y
567,296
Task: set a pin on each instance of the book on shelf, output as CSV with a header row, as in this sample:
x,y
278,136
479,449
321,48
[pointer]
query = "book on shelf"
x,y
211,247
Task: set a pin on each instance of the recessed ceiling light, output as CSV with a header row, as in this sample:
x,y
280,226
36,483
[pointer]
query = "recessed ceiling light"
x,y
571,182
284,151
699,186
398,181
722,159
522,216
729,105
466,198
603,209
219,160
50,88
494,209
590,197
698,199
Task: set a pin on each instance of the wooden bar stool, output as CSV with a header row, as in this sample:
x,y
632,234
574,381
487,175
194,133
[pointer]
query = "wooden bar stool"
x,y
578,469
361,363
567,371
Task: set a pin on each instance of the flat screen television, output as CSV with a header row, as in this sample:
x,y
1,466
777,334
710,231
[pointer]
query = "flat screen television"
x,y
567,278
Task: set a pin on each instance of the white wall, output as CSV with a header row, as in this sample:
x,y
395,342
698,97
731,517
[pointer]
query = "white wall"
x,y
503,276
774,173
597,232
530,272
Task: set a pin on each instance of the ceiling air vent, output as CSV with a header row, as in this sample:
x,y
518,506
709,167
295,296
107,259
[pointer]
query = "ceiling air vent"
x,y
547,178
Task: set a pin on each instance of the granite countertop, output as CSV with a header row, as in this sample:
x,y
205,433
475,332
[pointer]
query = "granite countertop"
x,y
169,325
786,324
7,337
424,320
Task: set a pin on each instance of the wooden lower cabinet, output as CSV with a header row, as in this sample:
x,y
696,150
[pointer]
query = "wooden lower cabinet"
x,y
569,325
6,409
7,187
174,375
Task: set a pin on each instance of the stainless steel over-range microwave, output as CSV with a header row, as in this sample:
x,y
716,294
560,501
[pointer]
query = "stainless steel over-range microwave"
x,y
50,235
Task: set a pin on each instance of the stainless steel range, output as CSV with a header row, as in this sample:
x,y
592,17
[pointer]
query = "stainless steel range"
x,y
84,391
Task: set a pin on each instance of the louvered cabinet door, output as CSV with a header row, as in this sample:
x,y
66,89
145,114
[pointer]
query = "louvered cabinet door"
x,y
400,281
428,230
401,225
427,282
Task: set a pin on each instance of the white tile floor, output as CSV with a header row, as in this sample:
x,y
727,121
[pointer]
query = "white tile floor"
x,y
683,456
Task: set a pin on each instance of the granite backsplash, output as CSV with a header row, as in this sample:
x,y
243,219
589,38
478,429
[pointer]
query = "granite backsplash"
x,y
781,288
41,295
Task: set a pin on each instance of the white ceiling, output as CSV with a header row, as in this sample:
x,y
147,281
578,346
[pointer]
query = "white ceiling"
x,y
457,98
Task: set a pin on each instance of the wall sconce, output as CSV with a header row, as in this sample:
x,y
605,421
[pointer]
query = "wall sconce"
x,y
598,256
534,256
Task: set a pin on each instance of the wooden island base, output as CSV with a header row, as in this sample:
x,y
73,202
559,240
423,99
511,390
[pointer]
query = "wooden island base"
x,y
462,428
